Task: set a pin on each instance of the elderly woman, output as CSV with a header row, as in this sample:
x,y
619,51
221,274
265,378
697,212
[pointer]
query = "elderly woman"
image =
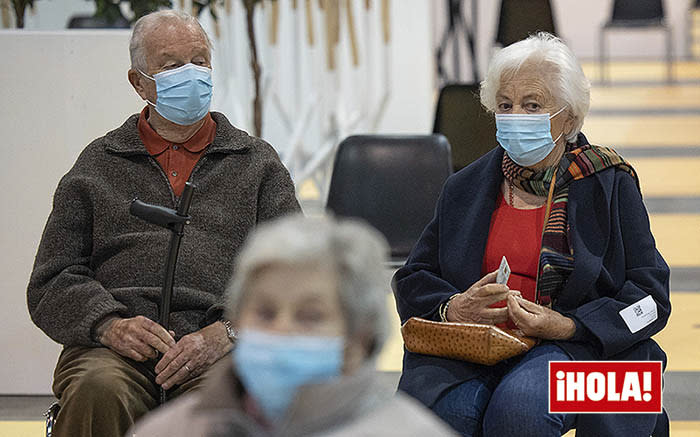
x,y
308,302
569,218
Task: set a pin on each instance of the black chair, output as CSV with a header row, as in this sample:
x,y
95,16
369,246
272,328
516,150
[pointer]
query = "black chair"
x,y
637,15
470,129
520,18
693,30
392,182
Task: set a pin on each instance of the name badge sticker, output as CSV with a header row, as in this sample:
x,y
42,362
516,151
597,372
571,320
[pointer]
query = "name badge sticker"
x,y
640,314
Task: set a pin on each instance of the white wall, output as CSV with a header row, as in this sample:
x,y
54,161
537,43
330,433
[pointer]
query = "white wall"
x,y
60,91
410,108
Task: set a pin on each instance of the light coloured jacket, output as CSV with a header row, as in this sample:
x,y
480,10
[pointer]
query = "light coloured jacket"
x,y
355,405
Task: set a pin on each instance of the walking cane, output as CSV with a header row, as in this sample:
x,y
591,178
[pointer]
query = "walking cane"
x,y
175,221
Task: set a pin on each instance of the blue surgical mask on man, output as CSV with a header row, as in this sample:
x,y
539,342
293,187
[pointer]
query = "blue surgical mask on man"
x,y
526,137
273,367
184,93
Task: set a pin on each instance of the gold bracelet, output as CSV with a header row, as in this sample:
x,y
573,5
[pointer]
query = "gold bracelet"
x,y
445,306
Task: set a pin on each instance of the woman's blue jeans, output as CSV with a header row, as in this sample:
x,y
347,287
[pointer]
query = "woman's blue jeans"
x,y
510,399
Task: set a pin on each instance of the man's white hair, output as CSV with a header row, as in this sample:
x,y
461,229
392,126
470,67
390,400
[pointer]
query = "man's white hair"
x,y
568,84
354,250
137,51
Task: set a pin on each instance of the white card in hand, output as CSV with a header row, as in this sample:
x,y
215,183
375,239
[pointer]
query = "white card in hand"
x,y
503,272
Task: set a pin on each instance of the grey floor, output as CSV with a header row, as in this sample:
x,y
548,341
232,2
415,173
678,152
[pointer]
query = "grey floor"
x,y
681,398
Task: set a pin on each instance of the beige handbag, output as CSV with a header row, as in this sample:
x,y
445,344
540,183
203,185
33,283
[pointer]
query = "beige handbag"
x,y
473,342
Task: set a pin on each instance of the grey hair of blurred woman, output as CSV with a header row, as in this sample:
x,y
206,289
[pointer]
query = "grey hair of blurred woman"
x,y
143,25
568,84
356,251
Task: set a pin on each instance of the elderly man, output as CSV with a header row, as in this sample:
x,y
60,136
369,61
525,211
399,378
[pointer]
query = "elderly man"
x,y
97,277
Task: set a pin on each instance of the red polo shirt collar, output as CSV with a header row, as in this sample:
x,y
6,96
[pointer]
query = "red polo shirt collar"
x,y
155,144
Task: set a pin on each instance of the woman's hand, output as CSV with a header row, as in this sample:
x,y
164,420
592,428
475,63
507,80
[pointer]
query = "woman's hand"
x,y
538,321
473,304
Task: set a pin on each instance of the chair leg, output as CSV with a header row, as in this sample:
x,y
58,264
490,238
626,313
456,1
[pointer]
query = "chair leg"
x,y
601,55
669,56
50,415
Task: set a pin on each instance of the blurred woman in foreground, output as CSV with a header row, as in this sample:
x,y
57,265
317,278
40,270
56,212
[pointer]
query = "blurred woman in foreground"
x,y
308,300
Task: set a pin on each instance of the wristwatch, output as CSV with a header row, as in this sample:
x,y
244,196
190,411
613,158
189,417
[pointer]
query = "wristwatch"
x,y
230,332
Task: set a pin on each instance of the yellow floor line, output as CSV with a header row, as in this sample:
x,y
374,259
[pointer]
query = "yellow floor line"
x,y
23,428
672,97
682,331
392,355
618,131
36,429
685,428
677,238
668,177
678,429
625,71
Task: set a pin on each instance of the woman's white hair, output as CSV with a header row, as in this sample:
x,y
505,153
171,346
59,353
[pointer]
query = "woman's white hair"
x,y
568,84
356,251
143,25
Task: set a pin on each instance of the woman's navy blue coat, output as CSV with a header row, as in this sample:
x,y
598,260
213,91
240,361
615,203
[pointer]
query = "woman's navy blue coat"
x,y
616,264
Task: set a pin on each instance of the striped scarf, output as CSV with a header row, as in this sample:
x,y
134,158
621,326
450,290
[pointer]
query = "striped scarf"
x,y
556,255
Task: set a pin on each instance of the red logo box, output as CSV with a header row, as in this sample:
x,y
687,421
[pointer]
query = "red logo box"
x,y
605,387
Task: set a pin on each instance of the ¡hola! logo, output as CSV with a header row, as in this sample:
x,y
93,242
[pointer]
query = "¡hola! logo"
x,y
605,387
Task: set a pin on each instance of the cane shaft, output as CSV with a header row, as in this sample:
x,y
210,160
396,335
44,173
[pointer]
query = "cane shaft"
x,y
169,279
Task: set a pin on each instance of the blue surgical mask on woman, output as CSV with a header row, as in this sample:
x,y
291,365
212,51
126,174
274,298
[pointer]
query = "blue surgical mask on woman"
x,y
184,93
273,367
526,137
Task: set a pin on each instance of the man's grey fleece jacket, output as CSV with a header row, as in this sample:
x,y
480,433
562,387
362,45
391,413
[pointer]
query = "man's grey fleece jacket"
x,y
95,258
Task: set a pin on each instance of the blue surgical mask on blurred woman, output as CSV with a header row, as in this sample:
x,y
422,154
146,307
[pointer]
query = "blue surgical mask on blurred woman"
x,y
272,367
184,93
526,137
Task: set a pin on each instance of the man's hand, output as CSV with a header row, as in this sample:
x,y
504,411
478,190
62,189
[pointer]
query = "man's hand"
x,y
192,355
474,304
138,338
538,321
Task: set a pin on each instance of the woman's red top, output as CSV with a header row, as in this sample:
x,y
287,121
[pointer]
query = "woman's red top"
x,y
517,234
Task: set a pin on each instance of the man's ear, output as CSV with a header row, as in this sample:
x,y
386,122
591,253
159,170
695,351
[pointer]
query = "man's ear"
x,y
136,81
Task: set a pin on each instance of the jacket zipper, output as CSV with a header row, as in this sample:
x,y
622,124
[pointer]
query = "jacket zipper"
x,y
196,167
155,164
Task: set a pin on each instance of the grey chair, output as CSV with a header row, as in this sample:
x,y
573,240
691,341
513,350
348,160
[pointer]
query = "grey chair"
x,y
639,15
391,182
